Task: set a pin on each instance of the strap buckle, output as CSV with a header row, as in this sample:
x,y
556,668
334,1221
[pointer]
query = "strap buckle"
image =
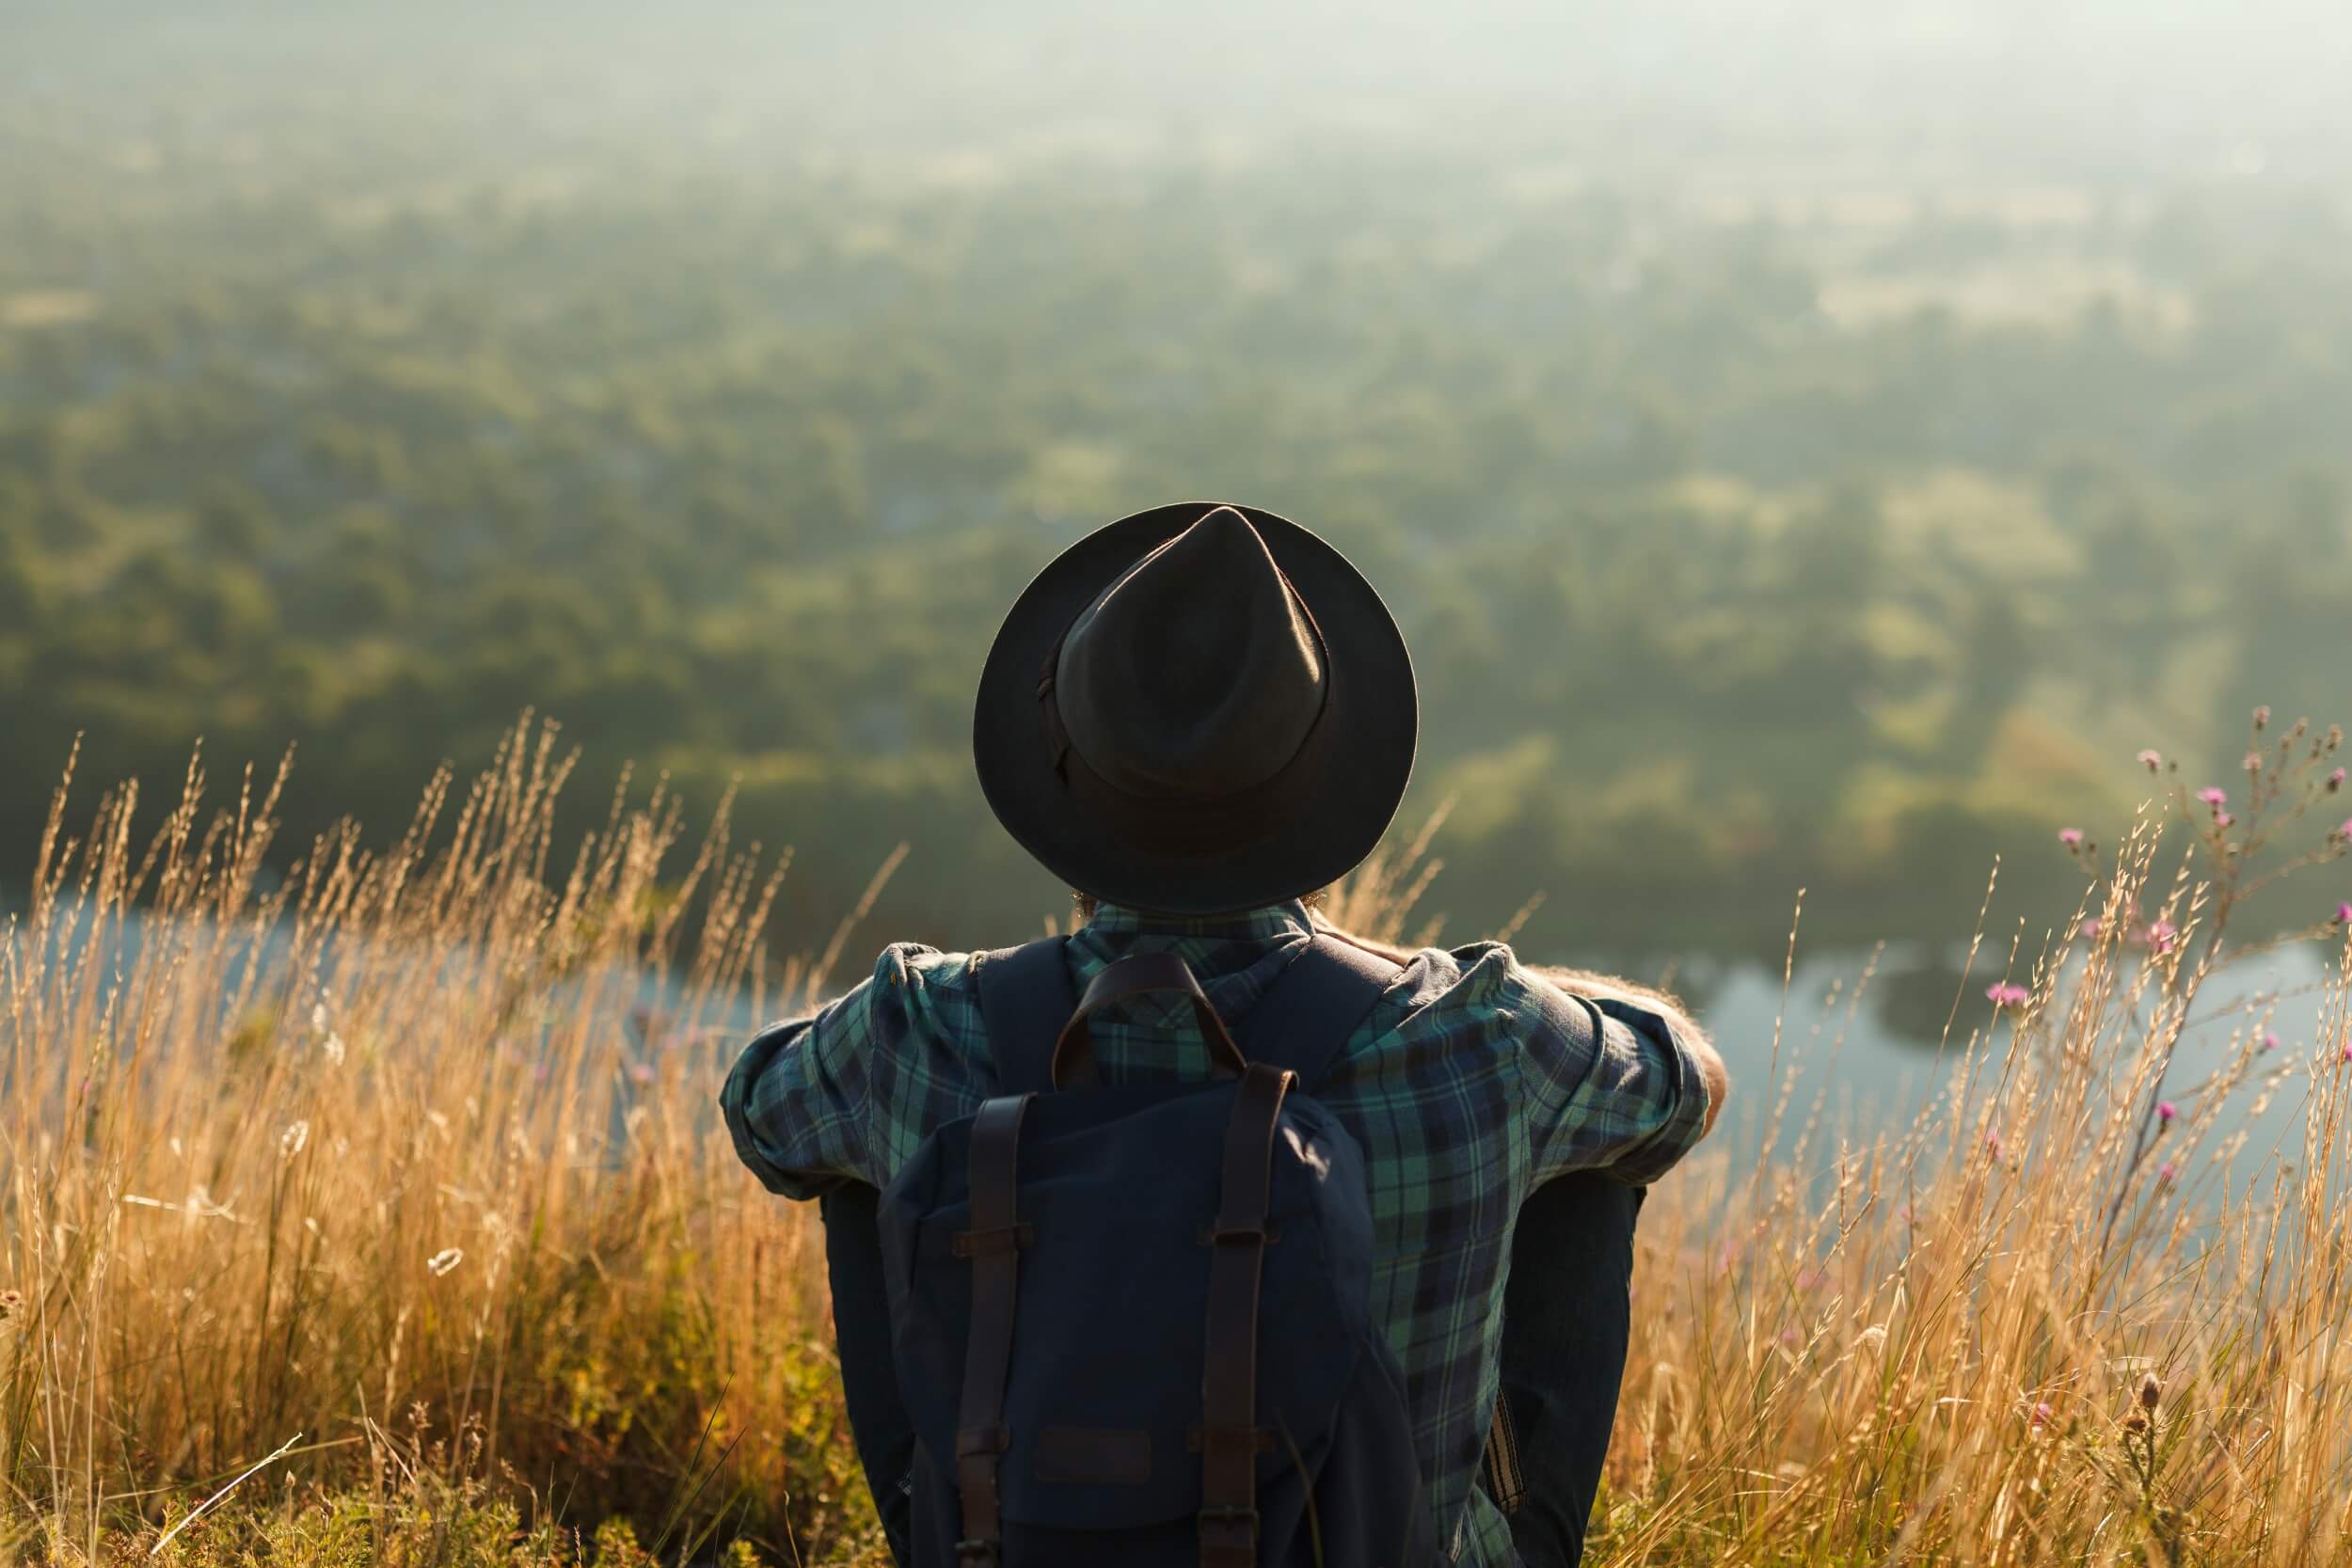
x,y
1002,1237
1227,1529
982,1553
1240,1235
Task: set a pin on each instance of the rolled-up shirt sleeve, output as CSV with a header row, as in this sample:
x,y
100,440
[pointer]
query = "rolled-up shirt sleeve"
x,y
1611,1087
801,1102
796,1102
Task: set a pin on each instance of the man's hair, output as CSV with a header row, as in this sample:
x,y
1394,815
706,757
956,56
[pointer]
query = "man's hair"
x,y
1083,905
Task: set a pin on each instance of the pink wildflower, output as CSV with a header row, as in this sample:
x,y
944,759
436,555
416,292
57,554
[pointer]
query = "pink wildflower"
x,y
2160,934
2222,819
2166,1111
2214,796
2152,759
640,1072
2270,1042
2335,780
2253,762
2092,928
2344,914
2042,1412
2262,717
2003,994
2168,1172
2345,832
2070,837
1993,1142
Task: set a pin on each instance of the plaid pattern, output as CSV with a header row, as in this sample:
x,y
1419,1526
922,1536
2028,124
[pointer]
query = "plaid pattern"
x,y
1472,1082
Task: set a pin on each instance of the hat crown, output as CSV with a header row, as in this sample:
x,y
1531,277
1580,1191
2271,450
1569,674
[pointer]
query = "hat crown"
x,y
1198,674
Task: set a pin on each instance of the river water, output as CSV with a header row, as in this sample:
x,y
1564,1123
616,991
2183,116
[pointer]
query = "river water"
x,y
1857,1043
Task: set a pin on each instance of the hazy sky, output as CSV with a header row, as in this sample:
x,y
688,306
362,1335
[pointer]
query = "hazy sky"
x,y
2114,81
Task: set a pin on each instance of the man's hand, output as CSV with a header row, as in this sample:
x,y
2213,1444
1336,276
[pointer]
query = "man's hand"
x,y
1581,982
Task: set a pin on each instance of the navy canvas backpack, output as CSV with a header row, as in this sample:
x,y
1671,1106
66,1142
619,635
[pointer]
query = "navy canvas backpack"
x,y
1131,1322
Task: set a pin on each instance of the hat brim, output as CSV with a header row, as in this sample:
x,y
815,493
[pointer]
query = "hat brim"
x,y
1336,818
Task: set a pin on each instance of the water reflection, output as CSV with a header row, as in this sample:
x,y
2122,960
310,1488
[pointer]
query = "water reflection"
x,y
1864,1036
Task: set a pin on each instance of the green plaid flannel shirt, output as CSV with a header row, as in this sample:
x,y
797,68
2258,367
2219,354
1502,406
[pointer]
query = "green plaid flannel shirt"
x,y
1472,1082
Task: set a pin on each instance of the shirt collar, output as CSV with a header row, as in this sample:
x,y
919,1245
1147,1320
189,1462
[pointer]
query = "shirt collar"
x,y
1271,923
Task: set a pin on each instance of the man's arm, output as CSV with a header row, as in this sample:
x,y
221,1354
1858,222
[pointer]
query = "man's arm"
x,y
1604,987
815,1101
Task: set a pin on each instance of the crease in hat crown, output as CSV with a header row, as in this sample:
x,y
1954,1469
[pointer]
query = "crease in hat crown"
x,y
1199,673
1244,701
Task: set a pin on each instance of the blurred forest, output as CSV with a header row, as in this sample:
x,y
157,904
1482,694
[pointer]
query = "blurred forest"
x,y
1764,512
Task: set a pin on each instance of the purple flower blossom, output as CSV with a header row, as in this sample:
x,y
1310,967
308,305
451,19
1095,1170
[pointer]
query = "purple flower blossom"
x,y
2270,1042
2092,928
2214,796
2335,780
2042,1412
2070,837
2344,914
2166,1111
2152,759
2168,1172
2160,934
2003,994
2222,819
2345,832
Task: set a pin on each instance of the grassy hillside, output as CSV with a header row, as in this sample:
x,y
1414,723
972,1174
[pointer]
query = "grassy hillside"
x,y
392,1201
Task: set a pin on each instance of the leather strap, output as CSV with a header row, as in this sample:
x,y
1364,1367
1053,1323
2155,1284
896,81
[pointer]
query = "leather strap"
x,y
1026,997
1134,975
1228,1384
980,1435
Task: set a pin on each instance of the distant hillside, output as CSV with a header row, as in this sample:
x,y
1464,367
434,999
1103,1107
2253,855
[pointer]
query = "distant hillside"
x,y
1790,517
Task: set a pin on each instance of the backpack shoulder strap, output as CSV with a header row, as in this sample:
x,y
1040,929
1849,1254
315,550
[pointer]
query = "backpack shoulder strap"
x,y
1307,1018
1025,1000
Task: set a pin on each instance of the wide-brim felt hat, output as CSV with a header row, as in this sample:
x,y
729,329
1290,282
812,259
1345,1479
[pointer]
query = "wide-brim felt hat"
x,y
1200,708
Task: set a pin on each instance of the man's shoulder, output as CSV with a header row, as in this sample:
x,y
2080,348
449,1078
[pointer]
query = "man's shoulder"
x,y
932,990
923,968
1450,988
905,963
916,989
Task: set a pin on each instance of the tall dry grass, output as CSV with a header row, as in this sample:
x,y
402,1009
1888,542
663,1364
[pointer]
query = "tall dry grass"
x,y
407,1158
431,1195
